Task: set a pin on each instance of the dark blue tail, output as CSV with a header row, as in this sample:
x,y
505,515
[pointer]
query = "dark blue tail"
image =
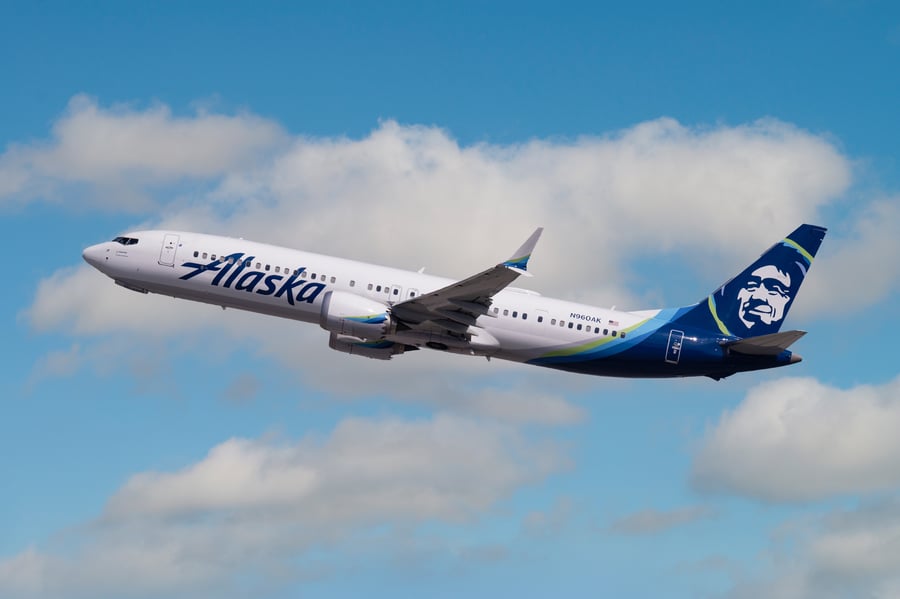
x,y
757,301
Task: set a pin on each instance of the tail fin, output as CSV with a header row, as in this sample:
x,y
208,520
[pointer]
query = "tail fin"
x,y
757,301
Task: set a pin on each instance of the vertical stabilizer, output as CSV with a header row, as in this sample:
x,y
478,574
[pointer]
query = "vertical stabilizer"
x,y
756,301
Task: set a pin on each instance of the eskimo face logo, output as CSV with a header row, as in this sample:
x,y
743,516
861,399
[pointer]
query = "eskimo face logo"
x,y
764,297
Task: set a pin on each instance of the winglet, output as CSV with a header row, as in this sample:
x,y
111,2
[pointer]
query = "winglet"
x,y
519,260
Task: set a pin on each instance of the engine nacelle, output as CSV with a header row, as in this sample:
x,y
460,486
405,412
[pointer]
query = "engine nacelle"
x,y
351,314
378,350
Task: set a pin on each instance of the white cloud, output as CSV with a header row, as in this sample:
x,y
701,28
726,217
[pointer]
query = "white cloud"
x,y
796,439
253,507
853,553
854,272
652,521
521,406
115,151
370,471
82,301
411,194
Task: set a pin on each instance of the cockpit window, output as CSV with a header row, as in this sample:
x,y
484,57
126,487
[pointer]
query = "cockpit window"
x,y
126,240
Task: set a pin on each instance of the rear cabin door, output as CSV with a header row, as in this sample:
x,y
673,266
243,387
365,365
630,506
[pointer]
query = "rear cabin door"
x,y
169,247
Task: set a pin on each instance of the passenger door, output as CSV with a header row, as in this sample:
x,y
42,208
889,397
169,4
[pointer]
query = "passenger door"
x,y
169,247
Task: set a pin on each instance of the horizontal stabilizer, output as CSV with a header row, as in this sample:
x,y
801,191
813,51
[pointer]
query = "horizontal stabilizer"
x,y
765,345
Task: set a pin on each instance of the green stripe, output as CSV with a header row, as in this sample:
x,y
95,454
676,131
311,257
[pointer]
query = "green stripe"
x,y
586,347
797,247
715,315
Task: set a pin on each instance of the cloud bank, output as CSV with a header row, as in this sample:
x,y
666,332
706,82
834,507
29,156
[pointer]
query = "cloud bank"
x,y
797,439
259,511
845,553
118,150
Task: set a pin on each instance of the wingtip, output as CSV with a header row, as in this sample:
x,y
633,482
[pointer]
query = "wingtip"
x,y
519,260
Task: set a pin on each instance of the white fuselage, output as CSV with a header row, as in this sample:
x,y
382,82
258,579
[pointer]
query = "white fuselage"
x,y
260,278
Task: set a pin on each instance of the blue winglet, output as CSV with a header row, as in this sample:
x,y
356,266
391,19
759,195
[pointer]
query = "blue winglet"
x,y
519,260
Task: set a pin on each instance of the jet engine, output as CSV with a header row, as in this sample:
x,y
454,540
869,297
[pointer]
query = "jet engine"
x,y
350,314
379,350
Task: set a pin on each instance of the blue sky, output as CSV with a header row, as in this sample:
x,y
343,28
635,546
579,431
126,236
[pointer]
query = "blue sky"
x,y
154,448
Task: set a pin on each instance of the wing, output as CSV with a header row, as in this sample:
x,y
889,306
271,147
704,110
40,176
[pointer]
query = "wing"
x,y
456,307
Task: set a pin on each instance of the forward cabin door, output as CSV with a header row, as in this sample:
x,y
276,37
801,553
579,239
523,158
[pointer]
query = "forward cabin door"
x,y
169,247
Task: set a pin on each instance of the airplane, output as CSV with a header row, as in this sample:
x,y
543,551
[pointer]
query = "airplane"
x,y
381,312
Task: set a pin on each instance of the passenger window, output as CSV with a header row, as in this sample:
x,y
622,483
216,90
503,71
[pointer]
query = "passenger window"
x,y
333,280
213,257
622,336
515,314
496,310
614,333
596,330
352,283
571,324
196,254
378,288
524,316
258,265
370,287
579,327
553,321
606,331
562,323
505,312
413,294
396,291
277,269
540,319
267,268
205,256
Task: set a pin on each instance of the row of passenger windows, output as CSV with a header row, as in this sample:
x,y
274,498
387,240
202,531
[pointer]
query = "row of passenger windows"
x,y
387,289
562,323
268,267
395,292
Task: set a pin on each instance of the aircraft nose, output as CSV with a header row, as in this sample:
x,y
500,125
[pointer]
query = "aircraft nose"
x,y
95,255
